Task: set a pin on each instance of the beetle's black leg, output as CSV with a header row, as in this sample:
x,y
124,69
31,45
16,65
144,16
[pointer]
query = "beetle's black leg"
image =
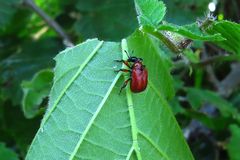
x,y
124,84
125,62
123,70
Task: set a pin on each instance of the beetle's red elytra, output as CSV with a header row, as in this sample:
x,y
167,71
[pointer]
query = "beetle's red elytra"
x,y
138,74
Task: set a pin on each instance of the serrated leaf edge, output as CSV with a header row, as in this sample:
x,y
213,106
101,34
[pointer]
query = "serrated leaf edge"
x,y
189,34
140,14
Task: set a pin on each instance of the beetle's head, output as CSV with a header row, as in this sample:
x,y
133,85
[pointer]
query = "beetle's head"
x,y
134,59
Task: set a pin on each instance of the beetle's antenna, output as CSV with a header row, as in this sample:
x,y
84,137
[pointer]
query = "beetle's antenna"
x,y
127,53
132,52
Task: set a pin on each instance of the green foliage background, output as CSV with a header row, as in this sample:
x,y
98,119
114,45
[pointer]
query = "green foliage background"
x,y
202,108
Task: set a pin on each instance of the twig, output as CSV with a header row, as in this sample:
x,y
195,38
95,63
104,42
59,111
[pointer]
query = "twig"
x,y
53,24
215,59
230,82
183,62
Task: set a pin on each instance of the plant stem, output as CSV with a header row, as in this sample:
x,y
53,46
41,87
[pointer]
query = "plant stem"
x,y
231,82
210,71
130,107
53,24
205,62
218,58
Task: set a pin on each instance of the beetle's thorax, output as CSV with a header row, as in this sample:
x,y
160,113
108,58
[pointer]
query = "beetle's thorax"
x,y
138,65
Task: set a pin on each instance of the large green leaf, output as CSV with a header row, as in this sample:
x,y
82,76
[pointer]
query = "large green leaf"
x,y
106,19
35,92
231,32
88,119
233,145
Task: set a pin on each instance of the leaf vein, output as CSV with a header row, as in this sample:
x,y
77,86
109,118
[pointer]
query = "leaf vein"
x,y
130,153
153,144
94,117
81,67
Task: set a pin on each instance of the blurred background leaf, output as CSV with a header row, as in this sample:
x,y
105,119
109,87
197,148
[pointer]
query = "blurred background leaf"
x,y
6,153
32,57
233,145
36,93
105,19
7,11
231,32
15,130
197,98
185,11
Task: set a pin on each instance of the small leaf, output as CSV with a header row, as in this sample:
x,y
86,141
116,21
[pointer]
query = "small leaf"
x,y
191,31
6,153
233,145
150,12
35,91
231,32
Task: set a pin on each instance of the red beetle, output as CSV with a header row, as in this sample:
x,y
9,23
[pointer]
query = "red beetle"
x,y
138,74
